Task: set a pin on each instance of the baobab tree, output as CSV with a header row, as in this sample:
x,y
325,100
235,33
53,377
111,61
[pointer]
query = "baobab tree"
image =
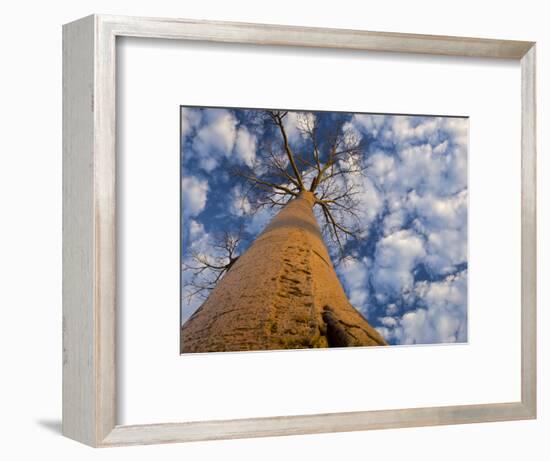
x,y
283,292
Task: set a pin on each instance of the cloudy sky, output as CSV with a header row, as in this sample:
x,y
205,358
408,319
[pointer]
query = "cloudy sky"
x,y
408,272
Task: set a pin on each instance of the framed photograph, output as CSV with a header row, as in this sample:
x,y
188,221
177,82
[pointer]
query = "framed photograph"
x,y
343,221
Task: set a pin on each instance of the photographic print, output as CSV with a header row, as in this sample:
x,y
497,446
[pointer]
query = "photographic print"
x,y
318,229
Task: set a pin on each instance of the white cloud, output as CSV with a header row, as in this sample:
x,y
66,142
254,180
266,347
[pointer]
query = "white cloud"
x,y
196,229
216,134
390,322
443,222
395,257
245,146
290,123
354,274
380,166
457,128
441,211
394,221
444,317
441,148
406,128
239,204
417,166
446,249
370,199
391,309
194,195
216,137
440,318
190,119
373,124
199,239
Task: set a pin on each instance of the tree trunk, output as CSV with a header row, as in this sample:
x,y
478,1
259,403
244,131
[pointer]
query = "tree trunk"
x,y
281,293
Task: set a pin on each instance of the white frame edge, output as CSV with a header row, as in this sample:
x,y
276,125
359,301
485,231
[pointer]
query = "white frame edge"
x,y
89,229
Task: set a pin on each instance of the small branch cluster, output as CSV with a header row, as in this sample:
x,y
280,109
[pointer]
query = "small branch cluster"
x,y
205,270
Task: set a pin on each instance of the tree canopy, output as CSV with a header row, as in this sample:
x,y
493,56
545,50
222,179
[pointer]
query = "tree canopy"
x,y
326,161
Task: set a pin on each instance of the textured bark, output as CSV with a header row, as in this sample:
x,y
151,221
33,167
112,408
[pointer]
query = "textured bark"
x,y
282,293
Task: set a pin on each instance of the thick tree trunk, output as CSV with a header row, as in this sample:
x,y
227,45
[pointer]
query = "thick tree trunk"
x,y
281,293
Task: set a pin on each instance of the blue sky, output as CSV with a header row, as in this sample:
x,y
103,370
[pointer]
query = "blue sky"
x,y
407,273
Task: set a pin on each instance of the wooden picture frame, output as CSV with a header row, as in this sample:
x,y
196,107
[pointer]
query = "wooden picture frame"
x,y
89,233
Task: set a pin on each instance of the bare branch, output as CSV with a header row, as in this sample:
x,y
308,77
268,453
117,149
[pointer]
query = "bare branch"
x,y
206,270
278,119
336,228
281,170
267,184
